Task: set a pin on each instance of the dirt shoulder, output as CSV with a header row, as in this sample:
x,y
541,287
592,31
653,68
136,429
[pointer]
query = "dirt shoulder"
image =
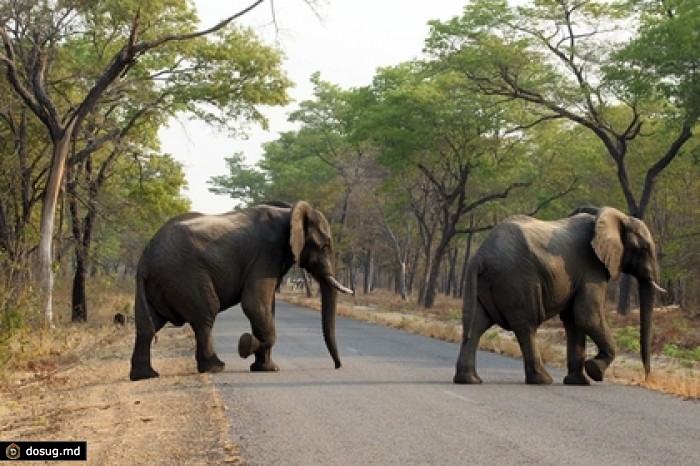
x,y
175,419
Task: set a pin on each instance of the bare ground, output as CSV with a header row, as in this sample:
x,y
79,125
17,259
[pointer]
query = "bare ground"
x,y
175,419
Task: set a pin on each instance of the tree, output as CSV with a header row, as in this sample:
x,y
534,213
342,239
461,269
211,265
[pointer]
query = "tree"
x,y
33,33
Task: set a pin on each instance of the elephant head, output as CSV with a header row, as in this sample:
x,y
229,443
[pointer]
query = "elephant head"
x,y
624,244
312,246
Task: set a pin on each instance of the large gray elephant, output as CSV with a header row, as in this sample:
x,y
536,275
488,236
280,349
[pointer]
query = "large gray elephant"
x,y
529,270
199,265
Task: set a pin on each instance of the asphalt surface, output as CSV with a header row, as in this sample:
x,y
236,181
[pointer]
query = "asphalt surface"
x,y
393,402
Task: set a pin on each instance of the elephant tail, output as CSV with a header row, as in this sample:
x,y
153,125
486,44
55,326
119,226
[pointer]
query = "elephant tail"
x,y
471,298
142,310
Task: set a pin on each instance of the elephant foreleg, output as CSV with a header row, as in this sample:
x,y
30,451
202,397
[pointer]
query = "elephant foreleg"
x,y
250,344
602,337
589,317
535,373
575,351
207,360
261,341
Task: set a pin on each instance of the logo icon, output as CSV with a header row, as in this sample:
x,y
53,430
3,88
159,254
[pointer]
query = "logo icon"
x,y
12,451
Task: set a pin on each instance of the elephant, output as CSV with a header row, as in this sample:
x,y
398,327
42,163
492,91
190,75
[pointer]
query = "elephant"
x,y
529,270
198,265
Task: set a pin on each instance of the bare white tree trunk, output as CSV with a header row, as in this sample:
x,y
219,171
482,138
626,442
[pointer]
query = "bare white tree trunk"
x,y
48,216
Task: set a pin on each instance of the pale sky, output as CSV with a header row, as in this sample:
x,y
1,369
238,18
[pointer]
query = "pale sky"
x,y
350,40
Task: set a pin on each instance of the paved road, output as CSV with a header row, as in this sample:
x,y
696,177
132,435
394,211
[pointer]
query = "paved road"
x,y
393,402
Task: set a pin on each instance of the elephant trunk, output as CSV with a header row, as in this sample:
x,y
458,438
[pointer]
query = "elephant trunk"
x,y
329,299
646,304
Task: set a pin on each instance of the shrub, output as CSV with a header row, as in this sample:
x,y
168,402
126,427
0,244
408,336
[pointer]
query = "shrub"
x,y
628,338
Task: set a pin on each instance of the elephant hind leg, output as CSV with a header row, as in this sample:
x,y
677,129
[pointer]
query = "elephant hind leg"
x,y
141,367
535,372
207,360
466,362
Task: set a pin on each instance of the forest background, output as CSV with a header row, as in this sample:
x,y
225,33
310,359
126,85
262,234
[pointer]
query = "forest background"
x,y
535,108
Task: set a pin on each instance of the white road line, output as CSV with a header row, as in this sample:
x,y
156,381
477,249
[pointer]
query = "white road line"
x,y
460,397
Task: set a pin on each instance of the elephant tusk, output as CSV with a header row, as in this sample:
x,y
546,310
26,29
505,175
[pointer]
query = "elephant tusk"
x,y
657,287
331,279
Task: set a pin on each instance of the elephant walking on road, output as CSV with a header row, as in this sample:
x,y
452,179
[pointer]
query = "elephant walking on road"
x,y
529,270
199,265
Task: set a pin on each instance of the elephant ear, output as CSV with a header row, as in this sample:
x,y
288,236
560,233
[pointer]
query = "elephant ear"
x,y
607,240
297,236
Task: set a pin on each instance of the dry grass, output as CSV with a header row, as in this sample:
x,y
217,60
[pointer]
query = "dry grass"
x,y
71,383
34,346
443,322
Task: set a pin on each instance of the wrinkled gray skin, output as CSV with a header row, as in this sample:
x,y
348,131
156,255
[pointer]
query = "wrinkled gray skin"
x,y
199,265
528,271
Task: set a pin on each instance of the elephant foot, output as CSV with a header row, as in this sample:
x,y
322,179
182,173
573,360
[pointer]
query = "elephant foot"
x,y
212,366
538,378
595,368
466,378
264,367
142,373
576,378
247,345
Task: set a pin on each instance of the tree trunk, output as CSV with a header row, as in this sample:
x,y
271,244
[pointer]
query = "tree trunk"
x,y
411,276
625,289
422,291
78,300
434,269
368,275
431,283
403,291
307,285
48,216
452,273
78,297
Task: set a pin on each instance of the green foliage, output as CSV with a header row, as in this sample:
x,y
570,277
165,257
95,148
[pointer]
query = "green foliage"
x,y
294,170
147,195
229,77
675,351
246,185
628,338
661,61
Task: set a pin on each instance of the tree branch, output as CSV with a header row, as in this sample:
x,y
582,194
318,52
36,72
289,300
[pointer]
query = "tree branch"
x,y
125,58
9,59
502,195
